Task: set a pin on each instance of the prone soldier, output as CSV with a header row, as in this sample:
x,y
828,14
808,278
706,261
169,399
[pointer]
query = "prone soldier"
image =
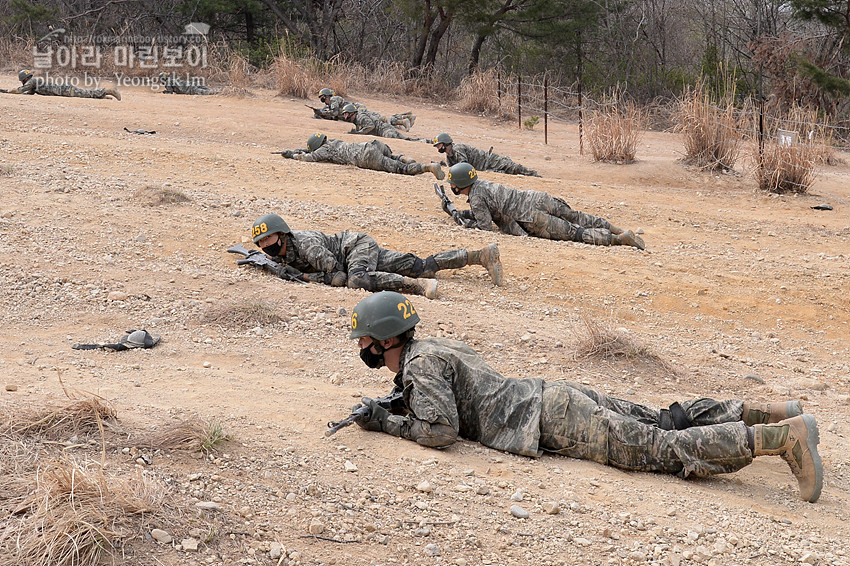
x,y
480,160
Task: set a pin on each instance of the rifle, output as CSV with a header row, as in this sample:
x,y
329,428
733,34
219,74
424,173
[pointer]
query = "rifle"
x,y
290,151
449,207
320,113
261,260
393,401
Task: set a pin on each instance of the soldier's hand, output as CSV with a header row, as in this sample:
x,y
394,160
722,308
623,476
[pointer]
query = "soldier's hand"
x,y
445,206
3,90
338,279
289,272
376,417
287,153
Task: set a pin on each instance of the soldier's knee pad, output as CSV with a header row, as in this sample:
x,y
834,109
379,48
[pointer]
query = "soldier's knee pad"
x,y
361,280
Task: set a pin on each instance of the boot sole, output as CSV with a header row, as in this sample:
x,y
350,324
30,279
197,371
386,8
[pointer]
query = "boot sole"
x,y
497,274
812,441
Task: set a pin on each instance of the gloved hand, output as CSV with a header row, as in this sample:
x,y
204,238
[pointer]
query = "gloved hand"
x,y
284,271
445,206
375,419
336,279
287,153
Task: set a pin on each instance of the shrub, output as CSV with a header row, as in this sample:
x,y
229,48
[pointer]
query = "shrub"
x,y
478,92
613,131
710,131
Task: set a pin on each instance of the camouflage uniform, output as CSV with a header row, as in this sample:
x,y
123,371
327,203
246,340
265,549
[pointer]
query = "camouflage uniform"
x,y
532,213
367,265
486,160
372,123
445,382
174,85
333,109
38,85
373,154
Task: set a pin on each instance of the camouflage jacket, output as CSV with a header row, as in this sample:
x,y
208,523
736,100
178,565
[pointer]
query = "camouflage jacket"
x,y
174,85
368,122
462,153
311,251
337,151
491,202
333,109
446,382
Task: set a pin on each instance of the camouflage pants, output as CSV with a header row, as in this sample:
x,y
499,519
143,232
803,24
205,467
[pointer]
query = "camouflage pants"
x,y
374,268
503,164
555,220
55,89
410,265
385,130
581,422
379,157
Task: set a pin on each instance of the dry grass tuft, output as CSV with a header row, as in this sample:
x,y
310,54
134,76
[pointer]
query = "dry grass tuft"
x,y
74,515
7,170
613,131
791,151
710,132
195,435
161,196
594,340
243,315
81,416
478,92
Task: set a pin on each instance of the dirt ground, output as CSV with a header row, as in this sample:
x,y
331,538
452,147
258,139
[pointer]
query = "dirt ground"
x,y
739,294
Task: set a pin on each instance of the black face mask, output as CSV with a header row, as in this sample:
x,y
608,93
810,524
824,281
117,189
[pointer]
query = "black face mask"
x,y
374,361
274,249
455,190
442,149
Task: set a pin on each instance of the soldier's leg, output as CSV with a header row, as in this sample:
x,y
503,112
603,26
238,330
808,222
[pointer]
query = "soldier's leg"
x,y
387,131
505,164
558,207
406,264
575,425
544,225
361,263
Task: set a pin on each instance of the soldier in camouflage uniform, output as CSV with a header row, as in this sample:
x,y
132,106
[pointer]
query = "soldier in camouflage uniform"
x,y
374,154
175,85
334,105
370,123
450,392
531,213
355,259
480,160
37,85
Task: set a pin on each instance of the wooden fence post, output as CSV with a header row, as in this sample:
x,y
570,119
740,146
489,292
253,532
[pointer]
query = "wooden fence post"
x,y
546,110
580,123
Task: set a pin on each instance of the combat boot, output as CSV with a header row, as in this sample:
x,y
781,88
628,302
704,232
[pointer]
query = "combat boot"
x,y
628,238
411,118
489,258
764,413
113,92
424,287
796,441
405,123
435,169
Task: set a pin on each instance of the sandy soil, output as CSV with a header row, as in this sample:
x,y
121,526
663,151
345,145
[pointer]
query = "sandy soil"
x,y
739,295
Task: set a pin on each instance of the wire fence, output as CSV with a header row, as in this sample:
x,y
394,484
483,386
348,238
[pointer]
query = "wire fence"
x,y
795,143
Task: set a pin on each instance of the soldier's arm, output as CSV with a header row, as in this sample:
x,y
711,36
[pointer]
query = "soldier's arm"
x,y
20,90
433,420
313,249
320,154
480,215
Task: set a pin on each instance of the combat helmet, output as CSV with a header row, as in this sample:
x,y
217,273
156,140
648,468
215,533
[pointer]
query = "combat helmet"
x,y
383,315
443,138
267,225
462,175
24,75
326,92
316,141
350,107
